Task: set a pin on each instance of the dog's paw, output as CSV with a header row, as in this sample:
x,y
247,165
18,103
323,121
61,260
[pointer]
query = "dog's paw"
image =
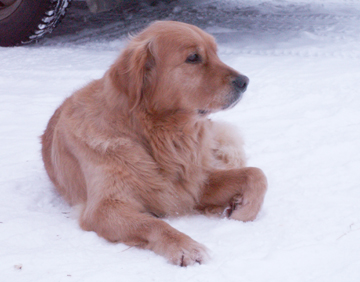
x,y
189,254
235,203
246,206
244,209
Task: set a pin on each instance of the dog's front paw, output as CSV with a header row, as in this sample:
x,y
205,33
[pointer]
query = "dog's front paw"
x,y
245,209
246,206
235,203
188,254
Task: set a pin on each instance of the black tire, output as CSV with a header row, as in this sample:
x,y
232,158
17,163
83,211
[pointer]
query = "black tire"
x,y
25,21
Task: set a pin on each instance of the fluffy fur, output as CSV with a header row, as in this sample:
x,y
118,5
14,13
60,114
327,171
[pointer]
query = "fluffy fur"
x,y
137,145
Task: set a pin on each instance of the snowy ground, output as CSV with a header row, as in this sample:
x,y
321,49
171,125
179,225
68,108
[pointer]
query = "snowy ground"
x,y
300,118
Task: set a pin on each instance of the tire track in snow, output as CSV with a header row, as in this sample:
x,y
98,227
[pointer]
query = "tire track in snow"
x,y
249,28
292,53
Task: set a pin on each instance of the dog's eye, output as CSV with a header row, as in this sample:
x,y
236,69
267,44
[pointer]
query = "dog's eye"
x,y
193,59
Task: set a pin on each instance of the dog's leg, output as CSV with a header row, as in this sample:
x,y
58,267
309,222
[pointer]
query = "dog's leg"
x,y
236,193
117,221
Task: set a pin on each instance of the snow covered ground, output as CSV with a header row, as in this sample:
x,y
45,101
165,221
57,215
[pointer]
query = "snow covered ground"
x,y
300,119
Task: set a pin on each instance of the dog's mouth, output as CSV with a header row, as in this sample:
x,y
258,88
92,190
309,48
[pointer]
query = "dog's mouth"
x,y
232,101
240,85
235,98
239,88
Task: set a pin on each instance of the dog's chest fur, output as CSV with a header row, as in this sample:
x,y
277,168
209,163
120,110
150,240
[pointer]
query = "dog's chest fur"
x,y
182,152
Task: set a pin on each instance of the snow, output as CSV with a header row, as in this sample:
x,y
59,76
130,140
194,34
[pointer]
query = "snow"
x,y
300,119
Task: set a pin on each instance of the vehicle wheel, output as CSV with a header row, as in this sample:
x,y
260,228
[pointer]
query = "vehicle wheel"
x,y
24,21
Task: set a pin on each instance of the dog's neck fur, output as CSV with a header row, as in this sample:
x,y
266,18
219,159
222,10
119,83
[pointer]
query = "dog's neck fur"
x,y
172,139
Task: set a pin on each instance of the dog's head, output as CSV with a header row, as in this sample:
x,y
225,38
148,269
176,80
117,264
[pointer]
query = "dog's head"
x,y
174,66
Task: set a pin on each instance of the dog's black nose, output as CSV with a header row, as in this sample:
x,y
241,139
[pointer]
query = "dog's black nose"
x,y
240,83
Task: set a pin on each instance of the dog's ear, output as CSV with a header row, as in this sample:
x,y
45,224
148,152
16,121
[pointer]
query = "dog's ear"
x,y
130,73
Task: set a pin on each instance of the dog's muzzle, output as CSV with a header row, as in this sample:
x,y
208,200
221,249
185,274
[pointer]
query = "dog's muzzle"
x,y
239,85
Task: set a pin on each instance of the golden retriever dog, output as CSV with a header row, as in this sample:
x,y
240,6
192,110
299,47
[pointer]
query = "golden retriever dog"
x,y
137,145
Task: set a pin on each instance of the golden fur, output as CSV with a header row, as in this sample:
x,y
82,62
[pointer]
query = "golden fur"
x,y
137,145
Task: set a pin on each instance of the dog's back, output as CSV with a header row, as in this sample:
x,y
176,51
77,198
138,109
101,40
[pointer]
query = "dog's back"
x,y
60,164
